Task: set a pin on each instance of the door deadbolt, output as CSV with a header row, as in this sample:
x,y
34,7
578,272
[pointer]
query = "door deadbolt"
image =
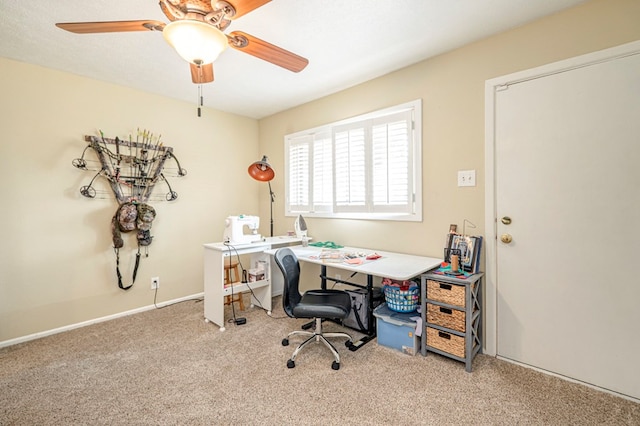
x,y
506,238
506,220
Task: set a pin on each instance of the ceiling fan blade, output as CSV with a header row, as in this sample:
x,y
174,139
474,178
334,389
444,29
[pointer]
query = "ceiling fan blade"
x,y
201,74
267,51
243,7
111,26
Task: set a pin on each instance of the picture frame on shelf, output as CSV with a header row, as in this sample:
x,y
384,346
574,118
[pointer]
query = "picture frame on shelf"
x,y
468,247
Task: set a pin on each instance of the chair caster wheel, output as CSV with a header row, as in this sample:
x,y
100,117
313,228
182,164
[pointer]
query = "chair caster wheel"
x,y
348,344
291,364
335,365
285,342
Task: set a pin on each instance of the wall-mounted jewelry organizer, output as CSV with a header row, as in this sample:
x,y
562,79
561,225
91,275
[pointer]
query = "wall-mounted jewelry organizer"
x,y
132,169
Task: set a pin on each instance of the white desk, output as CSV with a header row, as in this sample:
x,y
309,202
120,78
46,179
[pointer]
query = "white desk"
x,y
397,266
215,255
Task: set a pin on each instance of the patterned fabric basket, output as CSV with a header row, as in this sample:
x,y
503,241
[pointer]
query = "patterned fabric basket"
x,y
402,299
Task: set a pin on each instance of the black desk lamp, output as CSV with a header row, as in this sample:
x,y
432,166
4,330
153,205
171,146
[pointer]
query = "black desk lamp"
x,y
263,172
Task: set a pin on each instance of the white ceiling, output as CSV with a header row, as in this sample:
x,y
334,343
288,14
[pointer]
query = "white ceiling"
x,y
347,42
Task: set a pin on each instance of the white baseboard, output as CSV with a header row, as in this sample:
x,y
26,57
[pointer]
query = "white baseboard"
x,y
41,334
569,379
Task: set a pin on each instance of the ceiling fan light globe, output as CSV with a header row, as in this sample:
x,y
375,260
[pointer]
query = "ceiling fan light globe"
x,y
195,41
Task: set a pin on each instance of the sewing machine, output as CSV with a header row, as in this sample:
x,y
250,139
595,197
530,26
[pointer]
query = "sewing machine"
x,y
234,229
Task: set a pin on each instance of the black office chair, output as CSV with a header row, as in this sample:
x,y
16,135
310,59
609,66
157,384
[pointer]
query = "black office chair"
x,y
318,304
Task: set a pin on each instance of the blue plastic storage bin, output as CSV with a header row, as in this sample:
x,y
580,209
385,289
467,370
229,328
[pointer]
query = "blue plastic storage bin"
x,y
396,330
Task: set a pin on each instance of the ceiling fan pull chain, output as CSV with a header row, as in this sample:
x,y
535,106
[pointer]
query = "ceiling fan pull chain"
x,y
200,99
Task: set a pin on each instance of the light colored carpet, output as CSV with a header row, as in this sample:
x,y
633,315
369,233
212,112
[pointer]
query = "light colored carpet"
x,y
168,366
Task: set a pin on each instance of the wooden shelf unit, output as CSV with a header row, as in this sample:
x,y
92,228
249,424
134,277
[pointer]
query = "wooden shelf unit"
x,y
452,316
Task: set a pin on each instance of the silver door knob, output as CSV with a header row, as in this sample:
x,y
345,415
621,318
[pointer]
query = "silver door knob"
x,y
506,238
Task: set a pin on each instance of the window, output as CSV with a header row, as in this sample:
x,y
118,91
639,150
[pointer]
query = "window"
x,y
367,167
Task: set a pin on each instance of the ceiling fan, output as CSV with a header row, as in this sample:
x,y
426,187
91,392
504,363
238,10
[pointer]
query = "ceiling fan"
x,y
196,33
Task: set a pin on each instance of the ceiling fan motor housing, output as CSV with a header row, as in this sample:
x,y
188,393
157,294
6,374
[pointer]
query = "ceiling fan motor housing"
x,y
216,13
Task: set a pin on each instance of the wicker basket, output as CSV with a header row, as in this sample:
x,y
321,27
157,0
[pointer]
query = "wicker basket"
x,y
445,292
402,300
445,317
449,343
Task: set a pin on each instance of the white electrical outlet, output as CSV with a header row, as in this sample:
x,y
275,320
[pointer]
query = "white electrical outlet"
x,y
466,178
155,283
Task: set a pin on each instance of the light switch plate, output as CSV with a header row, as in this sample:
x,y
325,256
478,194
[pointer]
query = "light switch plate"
x,y
466,178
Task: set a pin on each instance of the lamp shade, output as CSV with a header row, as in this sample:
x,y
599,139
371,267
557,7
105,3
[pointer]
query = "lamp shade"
x,y
262,170
196,41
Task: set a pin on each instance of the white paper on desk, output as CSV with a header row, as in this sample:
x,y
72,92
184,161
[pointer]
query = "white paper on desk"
x,y
305,252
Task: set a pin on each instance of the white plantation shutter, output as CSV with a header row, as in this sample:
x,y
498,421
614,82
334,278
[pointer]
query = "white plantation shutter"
x,y
297,166
350,167
322,172
391,174
309,181
366,167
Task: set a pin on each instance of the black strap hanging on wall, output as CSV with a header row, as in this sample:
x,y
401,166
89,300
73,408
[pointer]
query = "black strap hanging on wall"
x,y
135,269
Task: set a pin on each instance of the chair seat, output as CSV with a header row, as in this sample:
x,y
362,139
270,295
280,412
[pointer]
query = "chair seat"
x,y
323,304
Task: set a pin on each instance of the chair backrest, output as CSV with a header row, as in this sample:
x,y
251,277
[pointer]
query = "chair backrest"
x,y
288,264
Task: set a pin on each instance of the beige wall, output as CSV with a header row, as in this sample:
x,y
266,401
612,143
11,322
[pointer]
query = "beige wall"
x,y
452,89
57,265
56,261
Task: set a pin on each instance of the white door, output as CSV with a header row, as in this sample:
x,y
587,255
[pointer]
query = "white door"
x,y
567,174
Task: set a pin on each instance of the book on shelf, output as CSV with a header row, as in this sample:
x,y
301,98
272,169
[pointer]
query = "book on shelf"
x,y
468,247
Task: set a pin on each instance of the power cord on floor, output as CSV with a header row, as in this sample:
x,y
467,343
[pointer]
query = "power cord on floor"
x,y
235,320
155,297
